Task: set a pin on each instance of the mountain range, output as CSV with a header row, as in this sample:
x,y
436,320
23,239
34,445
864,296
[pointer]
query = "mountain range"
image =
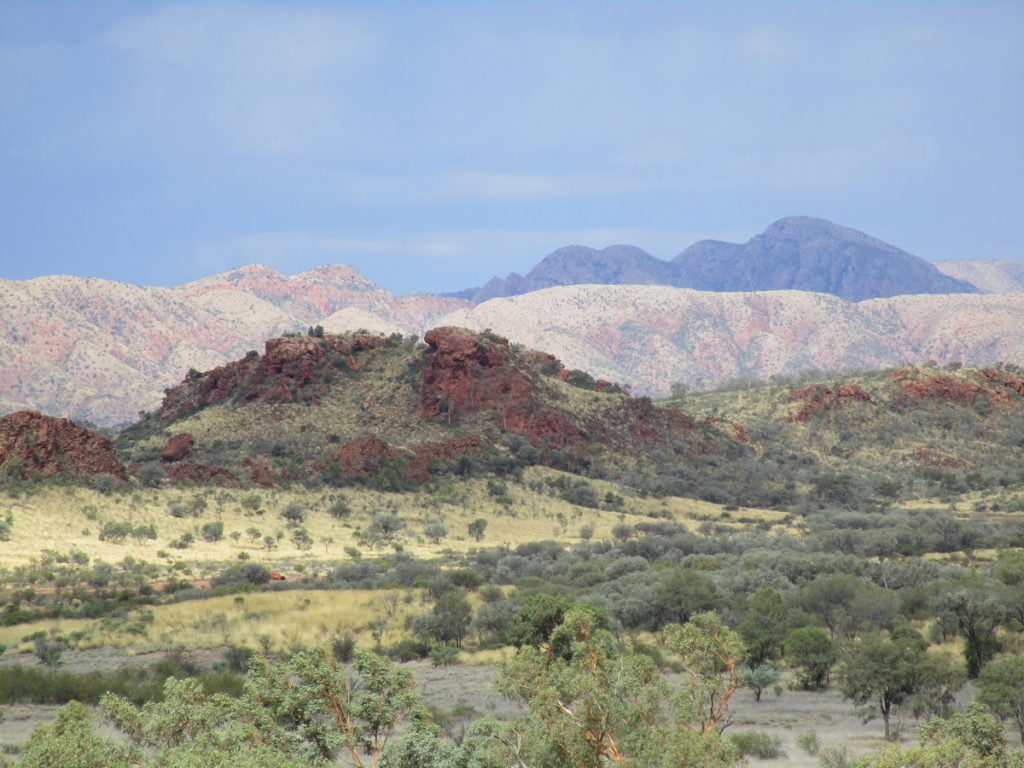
x,y
101,351
795,253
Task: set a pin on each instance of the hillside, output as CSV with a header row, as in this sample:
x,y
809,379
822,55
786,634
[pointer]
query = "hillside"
x,y
651,336
904,432
392,411
389,413
1001,276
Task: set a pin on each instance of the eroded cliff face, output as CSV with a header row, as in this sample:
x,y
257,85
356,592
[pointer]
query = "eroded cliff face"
x,y
31,443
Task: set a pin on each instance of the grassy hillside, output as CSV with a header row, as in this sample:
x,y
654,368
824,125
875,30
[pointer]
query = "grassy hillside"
x,y
881,436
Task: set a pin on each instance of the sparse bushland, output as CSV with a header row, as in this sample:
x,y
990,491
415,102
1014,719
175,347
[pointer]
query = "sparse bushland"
x,y
592,702
867,538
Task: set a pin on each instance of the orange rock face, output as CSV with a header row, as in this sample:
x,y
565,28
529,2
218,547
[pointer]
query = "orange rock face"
x,y
51,446
178,447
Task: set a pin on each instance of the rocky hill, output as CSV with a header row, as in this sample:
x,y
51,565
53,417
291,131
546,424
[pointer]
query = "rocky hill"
x,y
1002,276
394,414
396,411
34,444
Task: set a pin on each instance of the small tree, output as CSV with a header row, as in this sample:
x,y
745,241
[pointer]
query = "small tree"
x,y
435,532
143,533
340,509
302,539
476,529
49,652
883,672
212,531
294,513
116,532
758,678
448,621
811,649
1002,688
251,503
254,534
386,525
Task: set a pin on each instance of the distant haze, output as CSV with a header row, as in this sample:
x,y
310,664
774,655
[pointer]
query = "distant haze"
x,y
435,145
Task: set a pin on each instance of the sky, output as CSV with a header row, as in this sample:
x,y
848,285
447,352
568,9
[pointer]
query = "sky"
x,y
433,145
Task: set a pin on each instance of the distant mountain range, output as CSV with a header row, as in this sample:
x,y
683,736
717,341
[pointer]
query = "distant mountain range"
x,y
1003,276
101,351
796,253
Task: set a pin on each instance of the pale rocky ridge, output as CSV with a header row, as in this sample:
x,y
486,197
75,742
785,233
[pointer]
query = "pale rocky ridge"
x,y
997,276
101,351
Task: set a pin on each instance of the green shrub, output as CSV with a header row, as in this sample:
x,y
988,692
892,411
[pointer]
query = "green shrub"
x,y
343,647
212,531
444,655
835,757
763,746
808,741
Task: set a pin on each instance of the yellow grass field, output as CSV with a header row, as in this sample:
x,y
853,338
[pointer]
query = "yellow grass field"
x,y
278,621
64,518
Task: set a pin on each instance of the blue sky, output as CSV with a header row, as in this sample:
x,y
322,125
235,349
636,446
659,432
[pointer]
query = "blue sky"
x,y
433,145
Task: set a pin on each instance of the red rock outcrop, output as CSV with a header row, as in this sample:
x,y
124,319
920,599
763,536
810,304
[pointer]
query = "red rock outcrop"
x,y
291,368
1000,388
816,399
178,447
739,431
467,373
50,446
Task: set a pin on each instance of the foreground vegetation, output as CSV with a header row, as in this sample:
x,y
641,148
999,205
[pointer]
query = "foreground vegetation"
x,y
882,558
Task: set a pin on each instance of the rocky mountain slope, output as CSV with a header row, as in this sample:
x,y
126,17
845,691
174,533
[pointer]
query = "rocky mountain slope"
x,y
102,351
652,336
1000,276
807,254
796,253
34,444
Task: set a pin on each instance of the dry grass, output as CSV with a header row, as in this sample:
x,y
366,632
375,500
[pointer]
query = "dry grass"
x,y
55,518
